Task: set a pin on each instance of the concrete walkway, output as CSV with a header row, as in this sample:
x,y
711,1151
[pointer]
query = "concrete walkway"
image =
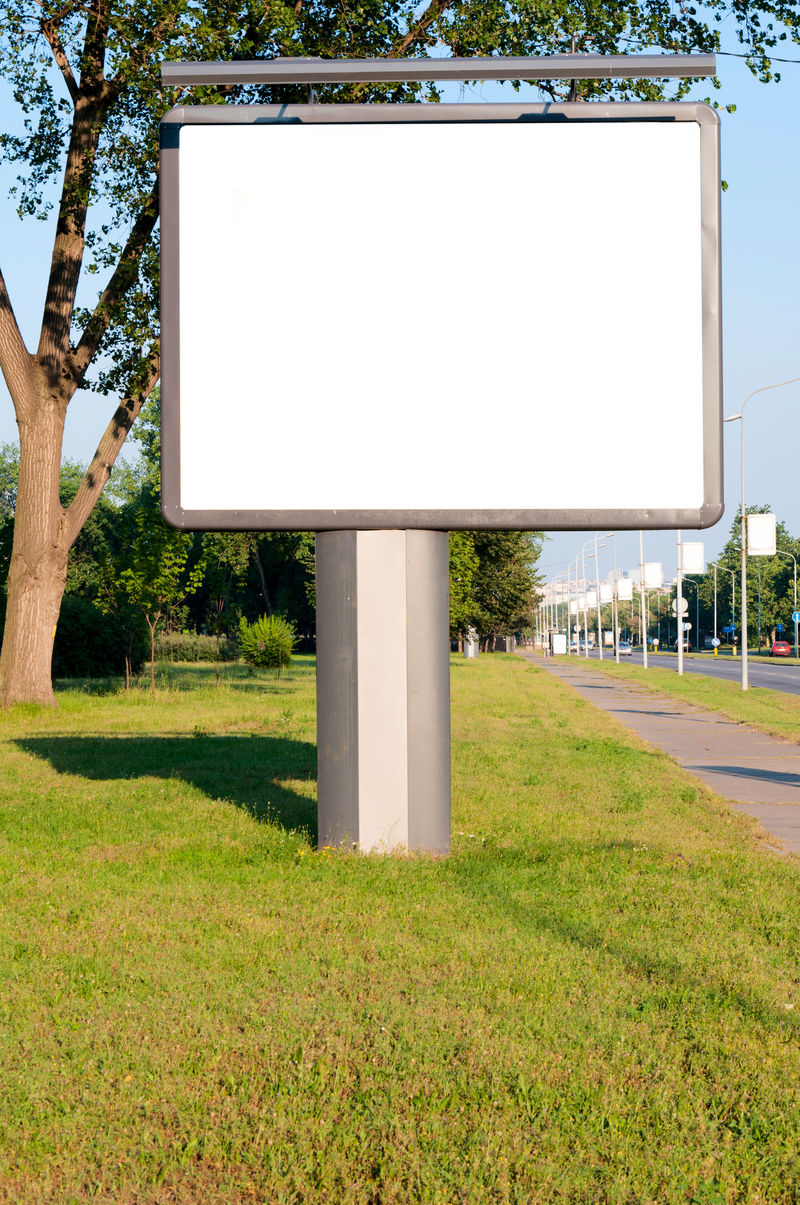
x,y
756,773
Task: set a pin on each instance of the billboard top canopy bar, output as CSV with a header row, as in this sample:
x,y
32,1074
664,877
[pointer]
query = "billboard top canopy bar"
x,y
289,70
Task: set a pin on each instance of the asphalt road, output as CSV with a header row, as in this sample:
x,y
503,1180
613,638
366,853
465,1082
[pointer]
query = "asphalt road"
x,y
774,674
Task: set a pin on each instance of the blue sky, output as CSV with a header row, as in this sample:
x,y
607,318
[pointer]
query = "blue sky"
x,y
761,309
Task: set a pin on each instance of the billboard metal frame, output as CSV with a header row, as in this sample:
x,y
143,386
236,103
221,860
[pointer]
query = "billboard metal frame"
x,y
288,70
519,519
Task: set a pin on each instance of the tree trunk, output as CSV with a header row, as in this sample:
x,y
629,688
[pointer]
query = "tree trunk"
x,y
38,571
152,626
263,580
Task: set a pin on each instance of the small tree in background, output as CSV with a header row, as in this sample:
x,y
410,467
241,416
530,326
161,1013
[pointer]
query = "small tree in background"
x,y
496,581
268,642
463,567
227,556
158,574
112,599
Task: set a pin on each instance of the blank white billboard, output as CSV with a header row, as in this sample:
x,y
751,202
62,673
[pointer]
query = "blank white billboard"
x,y
625,589
693,556
761,535
507,322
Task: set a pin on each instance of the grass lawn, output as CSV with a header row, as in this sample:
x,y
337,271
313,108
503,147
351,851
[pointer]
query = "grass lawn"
x,y
772,711
594,999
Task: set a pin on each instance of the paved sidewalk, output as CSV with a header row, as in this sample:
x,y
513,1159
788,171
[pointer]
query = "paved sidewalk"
x,y
756,773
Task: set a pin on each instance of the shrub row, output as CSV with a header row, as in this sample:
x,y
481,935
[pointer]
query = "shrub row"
x,y
89,644
189,646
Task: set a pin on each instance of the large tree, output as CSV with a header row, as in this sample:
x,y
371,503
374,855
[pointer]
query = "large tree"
x,y
776,595
85,74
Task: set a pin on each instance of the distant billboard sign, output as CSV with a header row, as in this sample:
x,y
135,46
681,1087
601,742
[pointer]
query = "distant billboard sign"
x,y
693,558
761,535
349,290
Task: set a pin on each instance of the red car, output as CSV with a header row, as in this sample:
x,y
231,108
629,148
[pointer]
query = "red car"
x,y
780,648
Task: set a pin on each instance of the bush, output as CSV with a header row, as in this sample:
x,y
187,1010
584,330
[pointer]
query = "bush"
x,y
189,646
89,644
268,642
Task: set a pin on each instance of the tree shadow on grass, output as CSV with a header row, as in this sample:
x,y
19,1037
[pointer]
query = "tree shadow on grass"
x,y
248,771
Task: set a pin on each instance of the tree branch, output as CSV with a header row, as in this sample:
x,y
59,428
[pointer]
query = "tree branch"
x,y
140,52
104,458
122,278
94,46
70,238
71,7
15,359
50,32
94,98
434,10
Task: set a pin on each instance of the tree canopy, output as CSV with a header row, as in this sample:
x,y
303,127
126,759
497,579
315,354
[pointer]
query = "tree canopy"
x,y
770,581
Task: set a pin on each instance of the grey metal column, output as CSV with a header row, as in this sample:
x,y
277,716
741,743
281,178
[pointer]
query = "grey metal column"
x,y
383,690
337,688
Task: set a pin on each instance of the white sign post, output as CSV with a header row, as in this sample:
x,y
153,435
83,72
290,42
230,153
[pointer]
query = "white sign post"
x,y
342,422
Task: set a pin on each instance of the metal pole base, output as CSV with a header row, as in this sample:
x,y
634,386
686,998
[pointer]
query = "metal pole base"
x,y
383,690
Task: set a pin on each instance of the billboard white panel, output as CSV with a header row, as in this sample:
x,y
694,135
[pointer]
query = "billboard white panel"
x,y
693,556
625,589
761,535
352,295
653,575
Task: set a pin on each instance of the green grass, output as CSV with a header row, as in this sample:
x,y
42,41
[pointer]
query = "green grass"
x,y
772,711
594,999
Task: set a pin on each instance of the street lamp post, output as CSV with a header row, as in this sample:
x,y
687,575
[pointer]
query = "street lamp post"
x,y
679,599
614,599
585,615
732,418
696,585
580,585
553,599
597,587
563,592
582,558
725,569
642,600
794,559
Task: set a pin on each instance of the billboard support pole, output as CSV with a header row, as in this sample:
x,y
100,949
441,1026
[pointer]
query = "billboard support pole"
x,y
383,690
